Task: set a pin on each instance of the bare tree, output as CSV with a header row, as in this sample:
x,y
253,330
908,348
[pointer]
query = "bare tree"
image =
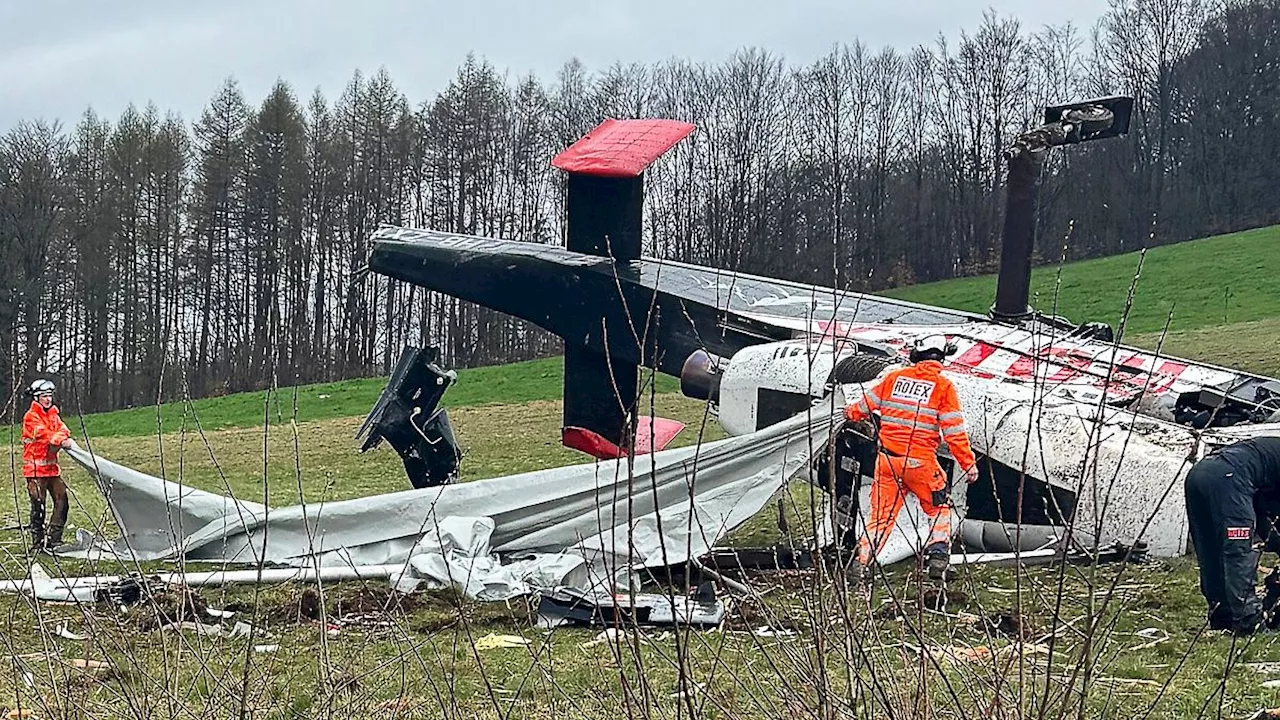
x,y
275,193
1143,43
33,163
227,255
833,104
91,228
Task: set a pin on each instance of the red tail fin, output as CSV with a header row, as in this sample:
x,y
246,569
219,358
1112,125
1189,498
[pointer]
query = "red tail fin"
x,y
652,435
659,431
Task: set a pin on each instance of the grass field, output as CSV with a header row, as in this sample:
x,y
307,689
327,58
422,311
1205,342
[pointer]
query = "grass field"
x,y
1210,282
508,384
1117,641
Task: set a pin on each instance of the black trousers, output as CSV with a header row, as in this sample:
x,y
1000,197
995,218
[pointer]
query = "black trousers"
x,y
1221,517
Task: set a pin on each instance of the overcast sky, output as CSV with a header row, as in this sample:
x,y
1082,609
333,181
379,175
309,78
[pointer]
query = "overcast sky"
x,y
58,57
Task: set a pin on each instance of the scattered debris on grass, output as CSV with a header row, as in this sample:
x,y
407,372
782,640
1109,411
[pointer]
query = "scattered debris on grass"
x,y
170,605
1155,636
494,641
240,629
768,632
1011,625
62,632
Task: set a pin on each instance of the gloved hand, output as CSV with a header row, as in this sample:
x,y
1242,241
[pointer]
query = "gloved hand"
x,y
971,475
70,444
863,428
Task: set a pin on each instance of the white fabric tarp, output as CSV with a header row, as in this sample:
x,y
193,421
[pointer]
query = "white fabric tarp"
x,y
666,508
457,554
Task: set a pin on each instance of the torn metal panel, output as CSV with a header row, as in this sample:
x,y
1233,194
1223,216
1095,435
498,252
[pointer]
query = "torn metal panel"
x,y
407,415
624,609
653,510
92,588
1125,470
154,514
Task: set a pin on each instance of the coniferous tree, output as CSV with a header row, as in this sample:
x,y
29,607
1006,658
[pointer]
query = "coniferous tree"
x,y
147,258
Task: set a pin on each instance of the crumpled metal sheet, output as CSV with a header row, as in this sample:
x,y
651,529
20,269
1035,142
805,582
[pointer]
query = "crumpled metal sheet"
x,y
457,554
1125,470
668,507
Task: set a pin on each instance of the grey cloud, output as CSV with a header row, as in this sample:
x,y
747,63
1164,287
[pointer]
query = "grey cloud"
x,y
59,57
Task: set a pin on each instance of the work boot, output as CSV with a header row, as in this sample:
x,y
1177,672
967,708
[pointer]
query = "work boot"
x,y
1219,619
61,506
37,526
937,560
54,538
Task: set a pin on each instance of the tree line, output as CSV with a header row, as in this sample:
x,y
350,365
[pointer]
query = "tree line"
x,y
148,258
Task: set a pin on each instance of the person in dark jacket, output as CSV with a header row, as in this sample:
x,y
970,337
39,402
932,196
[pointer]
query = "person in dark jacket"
x,y
1233,502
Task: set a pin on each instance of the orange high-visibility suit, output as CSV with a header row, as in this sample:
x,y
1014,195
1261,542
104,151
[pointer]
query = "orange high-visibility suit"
x,y
918,409
43,433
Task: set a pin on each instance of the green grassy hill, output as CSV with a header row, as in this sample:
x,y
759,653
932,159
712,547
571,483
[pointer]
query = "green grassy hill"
x,y
1213,281
510,384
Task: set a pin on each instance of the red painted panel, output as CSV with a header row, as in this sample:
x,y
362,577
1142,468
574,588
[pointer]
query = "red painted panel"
x,y
652,434
975,355
660,430
621,148
590,442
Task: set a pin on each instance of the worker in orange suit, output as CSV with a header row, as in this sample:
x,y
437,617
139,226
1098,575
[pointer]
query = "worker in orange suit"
x,y
918,409
43,435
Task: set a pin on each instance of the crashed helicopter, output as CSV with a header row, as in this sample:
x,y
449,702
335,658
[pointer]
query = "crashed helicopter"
x,y
1076,432
1086,430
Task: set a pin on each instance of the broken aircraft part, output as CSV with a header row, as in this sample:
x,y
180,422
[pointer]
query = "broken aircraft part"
x,y
655,510
605,213
988,536
1114,552
1063,125
94,588
407,415
1101,432
567,606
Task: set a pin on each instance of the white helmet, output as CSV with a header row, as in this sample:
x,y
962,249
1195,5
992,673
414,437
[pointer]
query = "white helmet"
x,y
935,346
932,342
41,387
